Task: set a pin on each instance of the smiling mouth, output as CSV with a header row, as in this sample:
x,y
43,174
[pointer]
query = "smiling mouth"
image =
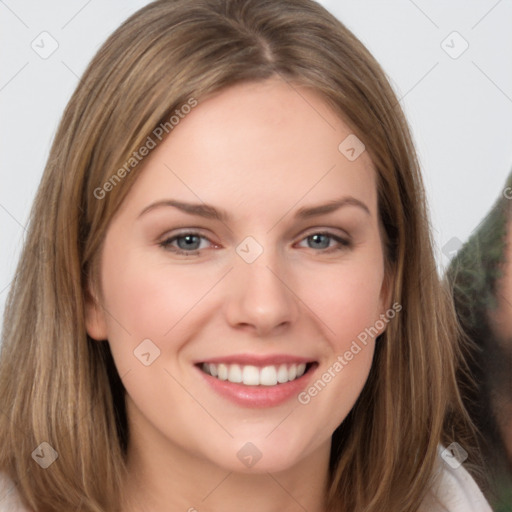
x,y
250,375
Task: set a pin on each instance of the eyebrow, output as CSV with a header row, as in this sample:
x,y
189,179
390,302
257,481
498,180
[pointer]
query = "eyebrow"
x,y
200,209
210,212
331,206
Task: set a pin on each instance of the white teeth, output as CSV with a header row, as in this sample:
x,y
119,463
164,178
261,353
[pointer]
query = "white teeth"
x,y
234,373
282,374
251,375
268,376
222,370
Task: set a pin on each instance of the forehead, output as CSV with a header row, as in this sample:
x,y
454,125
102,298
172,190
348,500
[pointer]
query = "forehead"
x,y
259,144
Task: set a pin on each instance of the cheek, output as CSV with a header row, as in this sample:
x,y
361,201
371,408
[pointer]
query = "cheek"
x,y
148,300
347,300
144,299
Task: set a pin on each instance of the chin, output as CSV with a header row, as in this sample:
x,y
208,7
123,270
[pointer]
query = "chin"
x,y
264,454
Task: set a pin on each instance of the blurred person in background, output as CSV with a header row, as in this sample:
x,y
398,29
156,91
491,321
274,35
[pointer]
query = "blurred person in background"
x,y
481,279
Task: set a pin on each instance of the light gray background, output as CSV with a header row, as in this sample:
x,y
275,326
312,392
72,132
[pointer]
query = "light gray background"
x,y
460,109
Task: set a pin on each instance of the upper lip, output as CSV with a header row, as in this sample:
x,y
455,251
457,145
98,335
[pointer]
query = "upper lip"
x,y
258,360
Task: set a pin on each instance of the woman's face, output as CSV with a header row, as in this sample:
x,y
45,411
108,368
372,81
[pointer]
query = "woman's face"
x,y
248,248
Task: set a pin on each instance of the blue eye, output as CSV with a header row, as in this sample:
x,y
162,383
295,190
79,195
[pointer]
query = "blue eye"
x,y
187,242
191,243
323,242
319,241
184,243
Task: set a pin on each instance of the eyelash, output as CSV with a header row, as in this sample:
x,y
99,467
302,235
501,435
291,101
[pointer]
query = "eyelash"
x,y
343,243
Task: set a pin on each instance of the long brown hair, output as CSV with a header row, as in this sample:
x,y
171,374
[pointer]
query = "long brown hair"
x,y
59,386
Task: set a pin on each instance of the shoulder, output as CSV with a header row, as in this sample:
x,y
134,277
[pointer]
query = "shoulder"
x,y
9,498
454,490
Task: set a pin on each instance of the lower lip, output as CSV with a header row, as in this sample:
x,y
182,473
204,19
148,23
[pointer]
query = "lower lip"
x,y
258,396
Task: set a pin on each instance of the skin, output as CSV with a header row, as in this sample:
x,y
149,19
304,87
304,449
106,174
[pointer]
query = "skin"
x,y
260,152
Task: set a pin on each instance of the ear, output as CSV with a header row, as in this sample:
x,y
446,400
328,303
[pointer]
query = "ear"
x,y
95,323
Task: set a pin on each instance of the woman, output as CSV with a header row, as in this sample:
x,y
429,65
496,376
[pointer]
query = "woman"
x,y
237,307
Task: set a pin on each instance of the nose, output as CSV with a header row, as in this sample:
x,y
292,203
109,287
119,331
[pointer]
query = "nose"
x,y
260,297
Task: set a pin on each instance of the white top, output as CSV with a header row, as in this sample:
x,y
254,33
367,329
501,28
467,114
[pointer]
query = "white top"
x,y
9,499
454,491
